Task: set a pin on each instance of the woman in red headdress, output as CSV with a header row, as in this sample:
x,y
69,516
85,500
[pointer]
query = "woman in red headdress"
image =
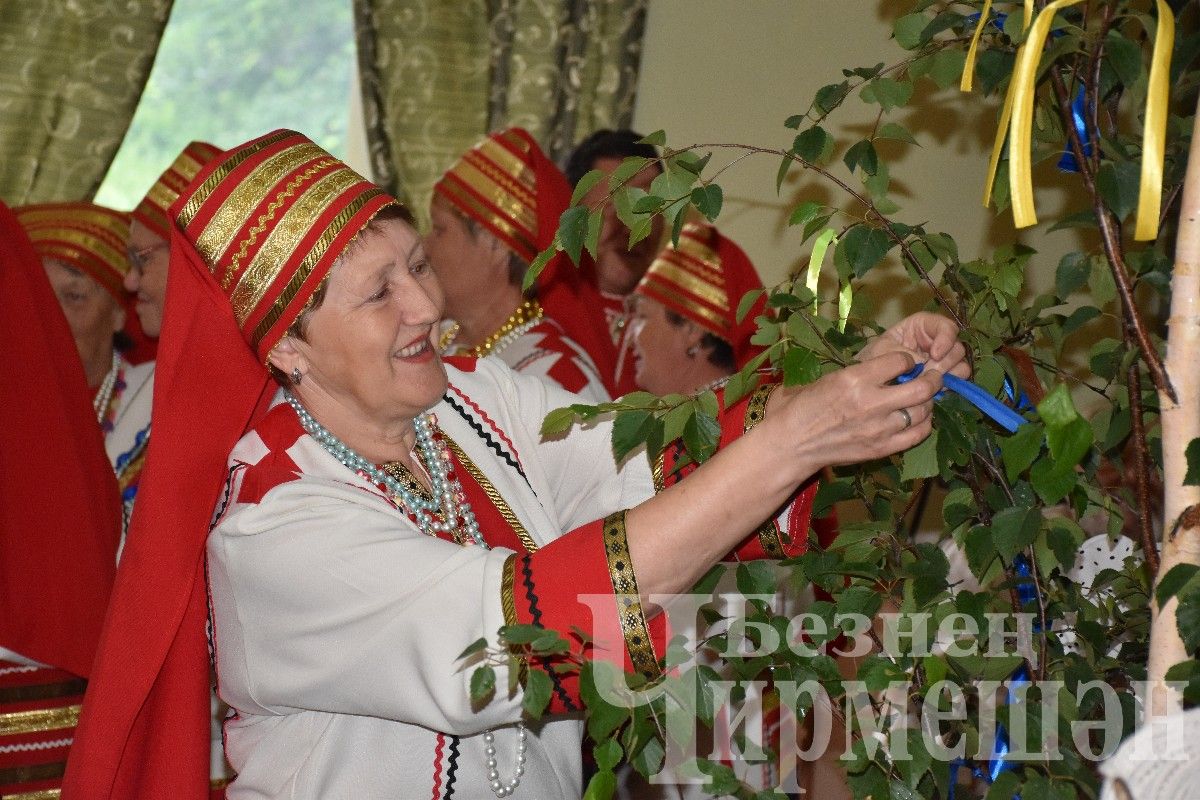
x,y
345,531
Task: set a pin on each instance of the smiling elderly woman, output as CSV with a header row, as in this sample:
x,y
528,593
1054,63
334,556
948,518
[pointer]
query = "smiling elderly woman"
x,y
384,508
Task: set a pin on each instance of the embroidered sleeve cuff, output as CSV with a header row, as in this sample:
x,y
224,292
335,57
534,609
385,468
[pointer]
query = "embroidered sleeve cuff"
x,y
576,582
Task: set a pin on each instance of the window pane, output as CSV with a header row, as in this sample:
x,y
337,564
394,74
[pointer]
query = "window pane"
x,y
229,71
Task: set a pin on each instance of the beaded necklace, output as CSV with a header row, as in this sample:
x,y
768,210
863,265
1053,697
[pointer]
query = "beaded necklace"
x,y
104,401
444,511
527,315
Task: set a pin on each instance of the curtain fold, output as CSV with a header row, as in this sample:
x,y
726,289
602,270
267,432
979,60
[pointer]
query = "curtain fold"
x,y
71,74
438,76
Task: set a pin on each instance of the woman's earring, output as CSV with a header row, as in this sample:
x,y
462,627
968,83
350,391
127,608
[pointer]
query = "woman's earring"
x,y
692,351
296,376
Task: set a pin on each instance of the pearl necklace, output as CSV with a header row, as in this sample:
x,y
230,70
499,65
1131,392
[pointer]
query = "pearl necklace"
x,y
105,392
527,315
456,515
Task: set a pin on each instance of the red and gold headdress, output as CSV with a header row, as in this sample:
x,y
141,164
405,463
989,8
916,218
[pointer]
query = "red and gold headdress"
x,y
509,185
269,219
88,237
704,279
152,211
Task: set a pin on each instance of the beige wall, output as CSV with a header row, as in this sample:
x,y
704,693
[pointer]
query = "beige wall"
x,y
717,71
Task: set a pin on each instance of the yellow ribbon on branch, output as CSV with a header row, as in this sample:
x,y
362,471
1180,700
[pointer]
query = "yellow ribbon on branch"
x,y
1016,117
1154,127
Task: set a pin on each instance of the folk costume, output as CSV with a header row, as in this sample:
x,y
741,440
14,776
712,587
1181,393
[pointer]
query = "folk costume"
x,y
59,526
93,239
508,185
337,596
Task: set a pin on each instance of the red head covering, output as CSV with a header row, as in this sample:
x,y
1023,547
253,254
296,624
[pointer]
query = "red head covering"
x,y
152,211
506,183
704,279
88,237
256,233
61,515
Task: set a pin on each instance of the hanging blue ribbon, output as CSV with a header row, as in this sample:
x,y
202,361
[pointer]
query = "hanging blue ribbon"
x,y
1026,588
1068,163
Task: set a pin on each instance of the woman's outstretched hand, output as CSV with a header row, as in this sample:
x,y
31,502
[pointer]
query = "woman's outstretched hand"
x,y
930,339
855,414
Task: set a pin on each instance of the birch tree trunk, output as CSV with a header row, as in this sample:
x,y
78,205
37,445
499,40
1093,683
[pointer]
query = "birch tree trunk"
x,y
1180,425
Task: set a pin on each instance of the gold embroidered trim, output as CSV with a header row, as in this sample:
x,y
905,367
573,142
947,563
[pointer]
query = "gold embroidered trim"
x,y
658,471
315,254
406,479
44,794
285,237
508,588
493,494
629,606
756,410
706,290
264,221
42,719
218,235
201,195
519,188
477,209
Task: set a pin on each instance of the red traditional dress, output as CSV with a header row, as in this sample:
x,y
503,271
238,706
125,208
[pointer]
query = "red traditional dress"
x,y
61,519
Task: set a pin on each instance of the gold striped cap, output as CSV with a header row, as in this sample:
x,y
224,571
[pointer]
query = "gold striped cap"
x,y
152,211
269,218
704,279
86,236
509,185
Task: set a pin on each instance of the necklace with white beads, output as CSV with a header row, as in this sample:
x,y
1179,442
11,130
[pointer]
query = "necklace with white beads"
x,y
456,518
105,392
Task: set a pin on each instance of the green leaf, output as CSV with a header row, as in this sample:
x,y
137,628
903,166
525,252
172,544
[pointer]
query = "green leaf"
x,y
1124,56
756,577
700,436
1079,317
557,422
658,139
1021,449
572,229
1040,787
1187,615
631,166
831,96
1006,787
1072,273
1014,529
1057,410
800,366
1080,219
805,212
985,667
629,431
483,684
1175,579
1192,453
902,792
1051,483
608,754
891,130
708,200
538,264
863,248
589,180
785,164
877,672
747,302
602,786
862,154
921,461
649,759
908,30
794,121
813,145
536,697
888,93
947,67
1063,536
477,646
1118,184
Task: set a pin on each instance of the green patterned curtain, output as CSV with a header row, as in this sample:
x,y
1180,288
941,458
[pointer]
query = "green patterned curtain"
x,y
71,74
437,76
